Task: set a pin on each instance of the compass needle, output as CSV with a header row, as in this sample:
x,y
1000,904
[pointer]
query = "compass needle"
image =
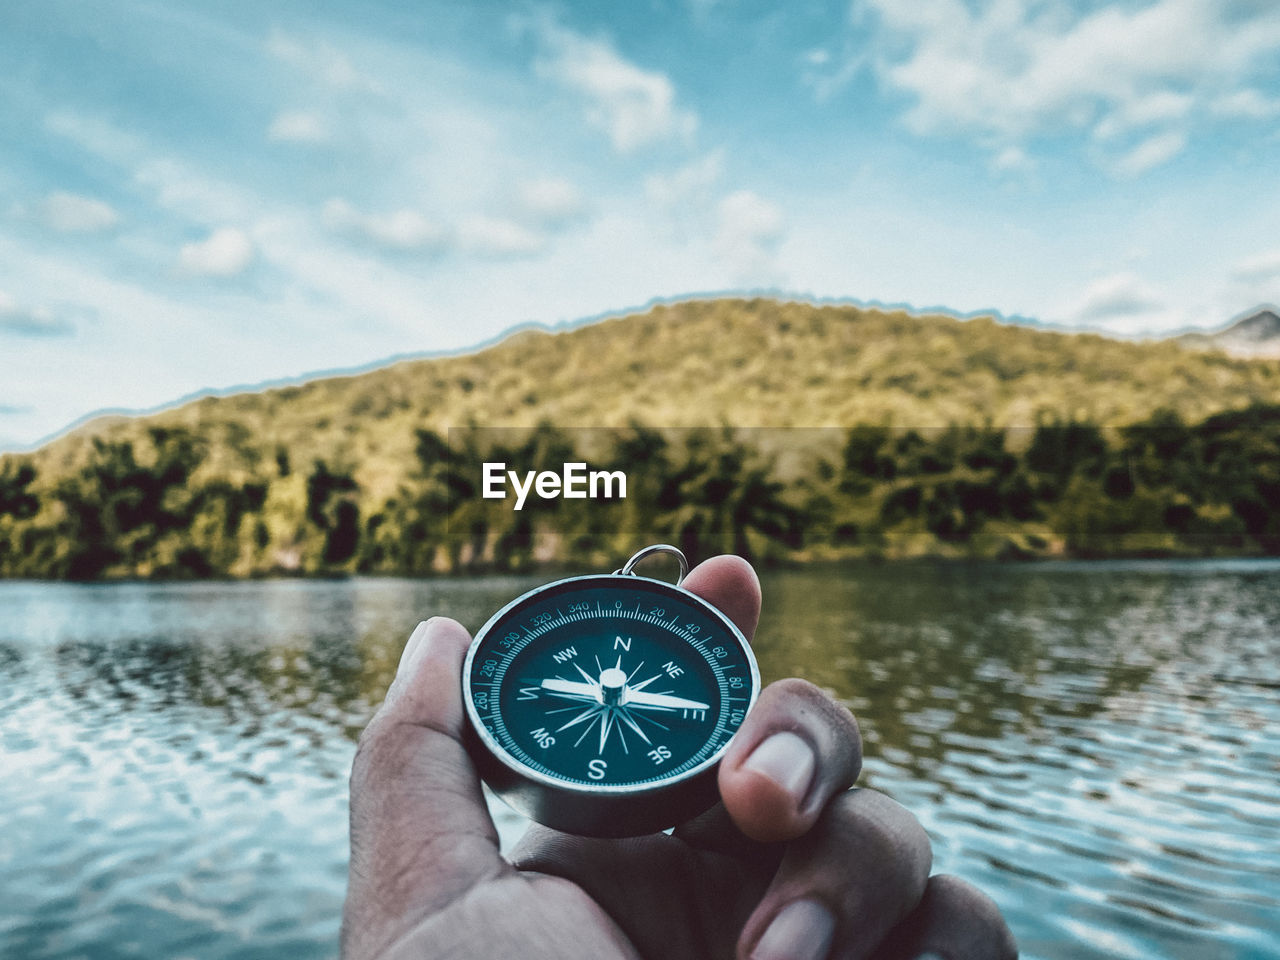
x,y
564,680
570,688
576,698
662,701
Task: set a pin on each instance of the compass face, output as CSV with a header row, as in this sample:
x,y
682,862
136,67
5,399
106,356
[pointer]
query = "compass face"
x,y
609,684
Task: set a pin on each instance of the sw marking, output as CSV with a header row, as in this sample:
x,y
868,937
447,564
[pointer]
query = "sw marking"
x,y
574,482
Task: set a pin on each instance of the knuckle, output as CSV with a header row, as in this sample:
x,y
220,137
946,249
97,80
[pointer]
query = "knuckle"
x,y
804,700
796,687
883,832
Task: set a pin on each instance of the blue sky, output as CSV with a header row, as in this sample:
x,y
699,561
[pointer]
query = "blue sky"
x,y
202,195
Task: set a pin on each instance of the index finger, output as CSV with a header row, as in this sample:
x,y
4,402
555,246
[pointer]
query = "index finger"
x,y
729,584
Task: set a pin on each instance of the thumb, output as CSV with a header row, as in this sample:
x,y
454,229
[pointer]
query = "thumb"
x,y
421,834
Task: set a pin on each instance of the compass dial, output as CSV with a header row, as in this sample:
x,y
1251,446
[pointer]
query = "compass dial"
x,y
610,687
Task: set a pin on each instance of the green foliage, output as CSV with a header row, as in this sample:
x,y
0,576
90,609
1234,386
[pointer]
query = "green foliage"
x,y
1157,487
134,511
16,499
1057,445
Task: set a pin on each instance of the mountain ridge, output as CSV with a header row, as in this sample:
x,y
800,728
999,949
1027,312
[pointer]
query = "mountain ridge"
x,y
1255,333
741,361
1224,338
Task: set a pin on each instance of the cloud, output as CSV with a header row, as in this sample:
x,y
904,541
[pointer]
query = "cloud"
x,y
1120,296
498,238
633,106
749,230
550,202
827,74
1008,71
94,135
320,61
1247,104
402,229
1260,269
224,253
73,213
1151,153
298,126
690,183
1137,113
1012,160
17,320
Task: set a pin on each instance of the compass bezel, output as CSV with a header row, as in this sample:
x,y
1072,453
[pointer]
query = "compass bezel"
x,y
501,779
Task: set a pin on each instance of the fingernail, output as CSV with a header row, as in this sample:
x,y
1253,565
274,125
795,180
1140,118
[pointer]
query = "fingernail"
x,y
413,646
787,760
802,930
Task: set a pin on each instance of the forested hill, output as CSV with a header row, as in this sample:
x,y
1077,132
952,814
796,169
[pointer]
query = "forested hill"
x,y
1129,448
756,362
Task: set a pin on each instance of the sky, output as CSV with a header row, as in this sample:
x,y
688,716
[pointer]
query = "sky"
x,y
202,195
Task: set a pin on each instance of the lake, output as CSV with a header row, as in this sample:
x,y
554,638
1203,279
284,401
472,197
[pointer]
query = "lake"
x,y
1095,745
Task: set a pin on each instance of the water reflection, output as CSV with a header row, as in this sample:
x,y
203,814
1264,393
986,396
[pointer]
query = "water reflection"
x,y
1093,744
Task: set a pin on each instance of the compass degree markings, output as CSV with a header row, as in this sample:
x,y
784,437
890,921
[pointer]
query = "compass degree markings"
x,y
641,710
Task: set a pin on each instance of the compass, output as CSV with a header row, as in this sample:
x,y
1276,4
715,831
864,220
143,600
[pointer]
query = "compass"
x,y
601,705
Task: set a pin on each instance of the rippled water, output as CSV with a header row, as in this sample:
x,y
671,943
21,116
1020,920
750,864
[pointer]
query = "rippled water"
x,y
1097,746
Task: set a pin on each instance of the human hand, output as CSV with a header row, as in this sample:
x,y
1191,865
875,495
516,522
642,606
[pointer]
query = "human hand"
x,y
792,863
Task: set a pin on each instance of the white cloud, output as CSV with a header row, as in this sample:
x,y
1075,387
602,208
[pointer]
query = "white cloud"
x,y
1247,104
94,135
634,106
827,74
17,320
1260,269
402,229
1153,109
298,126
552,202
319,60
1151,153
498,238
175,185
749,230
1009,70
1012,160
195,196
1118,297
224,253
73,213
690,183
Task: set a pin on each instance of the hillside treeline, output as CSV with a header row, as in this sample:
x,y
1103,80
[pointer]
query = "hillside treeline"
x,y
155,507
